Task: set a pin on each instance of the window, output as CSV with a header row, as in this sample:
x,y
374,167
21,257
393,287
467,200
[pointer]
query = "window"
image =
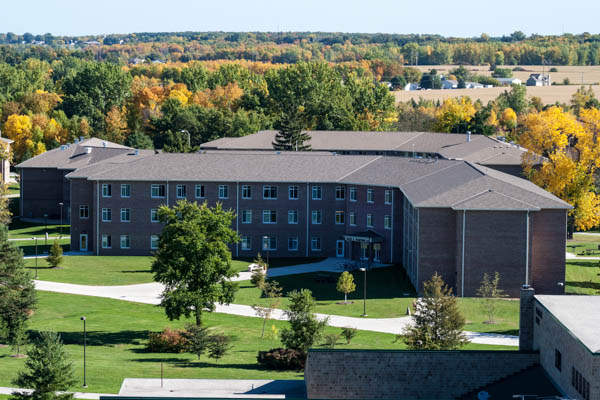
x,y
292,217
340,193
388,197
269,243
316,193
352,194
154,215
199,191
223,191
157,191
84,212
125,214
377,252
293,192
125,190
293,244
106,214
269,216
181,191
315,243
124,241
369,220
246,216
387,222
316,217
557,359
370,196
270,192
580,384
340,218
106,190
106,242
246,243
246,192
154,242
352,218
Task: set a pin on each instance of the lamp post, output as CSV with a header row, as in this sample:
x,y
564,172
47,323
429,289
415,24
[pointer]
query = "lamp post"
x,y
364,292
266,247
36,257
46,228
61,220
84,348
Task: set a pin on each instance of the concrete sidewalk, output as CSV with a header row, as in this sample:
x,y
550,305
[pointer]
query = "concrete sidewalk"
x,y
78,395
149,293
38,238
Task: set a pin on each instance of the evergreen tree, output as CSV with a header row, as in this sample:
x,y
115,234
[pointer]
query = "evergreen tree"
x,y
218,346
290,135
17,292
48,371
305,329
198,339
55,255
438,322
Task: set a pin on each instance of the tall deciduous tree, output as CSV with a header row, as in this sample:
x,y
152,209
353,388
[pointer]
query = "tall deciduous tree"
x,y
48,371
438,322
5,214
193,260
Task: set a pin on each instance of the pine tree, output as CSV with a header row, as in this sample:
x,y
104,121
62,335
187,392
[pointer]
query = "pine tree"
x,y
438,322
17,292
55,255
290,135
48,371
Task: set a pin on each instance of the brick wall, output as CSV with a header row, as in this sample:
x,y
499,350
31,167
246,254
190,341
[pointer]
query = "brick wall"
x,y
437,229
549,236
42,190
407,375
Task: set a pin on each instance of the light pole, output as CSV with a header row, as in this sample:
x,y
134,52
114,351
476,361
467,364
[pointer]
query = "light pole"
x,y
365,292
36,257
84,348
61,220
266,247
46,228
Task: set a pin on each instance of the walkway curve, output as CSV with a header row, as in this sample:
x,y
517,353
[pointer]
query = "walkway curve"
x,y
149,293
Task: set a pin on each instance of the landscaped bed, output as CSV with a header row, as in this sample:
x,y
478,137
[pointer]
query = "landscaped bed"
x,y
117,331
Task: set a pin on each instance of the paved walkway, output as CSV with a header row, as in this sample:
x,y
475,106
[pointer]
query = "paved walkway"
x,y
78,395
39,238
66,253
571,256
149,293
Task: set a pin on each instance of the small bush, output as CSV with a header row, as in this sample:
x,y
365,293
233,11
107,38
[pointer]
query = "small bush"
x,y
282,359
331,339
553,69
519,69
167,341
258,278
348,334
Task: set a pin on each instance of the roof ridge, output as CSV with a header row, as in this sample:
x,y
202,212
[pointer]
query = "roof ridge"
x,y
491,190
358,169
432,173
409,140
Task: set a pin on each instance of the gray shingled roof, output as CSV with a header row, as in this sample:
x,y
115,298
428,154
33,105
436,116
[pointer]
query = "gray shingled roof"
x,y
480,149
426,183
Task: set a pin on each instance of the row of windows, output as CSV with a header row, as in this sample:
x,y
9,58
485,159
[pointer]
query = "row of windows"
x,y
270,243
269,192
580,383
125,243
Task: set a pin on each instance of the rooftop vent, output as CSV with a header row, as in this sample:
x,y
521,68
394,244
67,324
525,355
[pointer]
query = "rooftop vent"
x,y
76,141
81,138
88,150
468,136
136,152
63,147
103,144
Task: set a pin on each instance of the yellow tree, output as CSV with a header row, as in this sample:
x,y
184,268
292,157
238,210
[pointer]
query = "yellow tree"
x,y
572,156
454,114
20,129
116,125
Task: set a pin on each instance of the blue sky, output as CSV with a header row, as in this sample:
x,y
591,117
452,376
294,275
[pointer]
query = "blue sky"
x,y
451,18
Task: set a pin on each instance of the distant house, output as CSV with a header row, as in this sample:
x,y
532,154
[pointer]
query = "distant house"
x,y
411,86
509,81
449,84
474,85
136,61
387,84
4,164
539,80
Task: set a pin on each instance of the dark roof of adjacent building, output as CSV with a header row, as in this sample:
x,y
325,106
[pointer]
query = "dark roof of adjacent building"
x,y
84,153
580,315
479,149
425,182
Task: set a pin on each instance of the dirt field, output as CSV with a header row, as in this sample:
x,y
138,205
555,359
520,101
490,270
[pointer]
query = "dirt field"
x,y
548,94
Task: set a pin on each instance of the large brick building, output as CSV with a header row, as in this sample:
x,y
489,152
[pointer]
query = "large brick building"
x,y
450,216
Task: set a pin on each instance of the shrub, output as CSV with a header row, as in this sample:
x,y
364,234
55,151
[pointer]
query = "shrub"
x,y
519,69
55,255
218,346
553,69
348,333
282,359
167,341
258,278
331,339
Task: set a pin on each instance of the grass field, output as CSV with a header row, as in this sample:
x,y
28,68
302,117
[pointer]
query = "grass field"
x,y
20,229
117,332
583,277
28,246
14,188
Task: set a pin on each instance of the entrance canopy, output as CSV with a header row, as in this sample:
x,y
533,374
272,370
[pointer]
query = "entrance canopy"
x,y
366,236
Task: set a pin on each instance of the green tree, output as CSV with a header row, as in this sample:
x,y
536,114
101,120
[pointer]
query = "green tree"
x,y
438,322
218,346
198,339
490,292
139,140
516,99
305,328
5,214
48,371
55,255
17,292
345,284
348,333
272,291
331,339
193,259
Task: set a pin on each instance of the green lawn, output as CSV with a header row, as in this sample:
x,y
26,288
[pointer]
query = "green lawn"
x,y
583,277
117,331
584,242
19,229
14,188
28,246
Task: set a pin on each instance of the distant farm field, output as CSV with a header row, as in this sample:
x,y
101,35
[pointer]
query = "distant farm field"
x,y
549,95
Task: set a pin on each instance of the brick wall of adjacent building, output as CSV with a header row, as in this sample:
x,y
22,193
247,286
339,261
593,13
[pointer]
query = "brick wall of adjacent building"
x,y
549,336
549,236
437,231
381,374
42,189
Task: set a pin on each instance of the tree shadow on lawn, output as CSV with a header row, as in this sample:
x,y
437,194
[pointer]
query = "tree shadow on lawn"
x,y
585,264
585,285
137,271
101,338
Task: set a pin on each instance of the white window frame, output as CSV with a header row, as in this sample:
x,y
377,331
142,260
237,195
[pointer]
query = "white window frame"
x,y
181,187
292,217
387,222
105,242
353,194
223,191
342,219
108,212
152,239
377,252
246,243
106,190
269,213
199,188
128,244
127,188
293,239
126,211
370,196
352,218
158,187
246,192
269,240
338,190
319,191
246,213
293,189
388,197
87,211
337,248
315,240
270,190
316,217
370,221
154,211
